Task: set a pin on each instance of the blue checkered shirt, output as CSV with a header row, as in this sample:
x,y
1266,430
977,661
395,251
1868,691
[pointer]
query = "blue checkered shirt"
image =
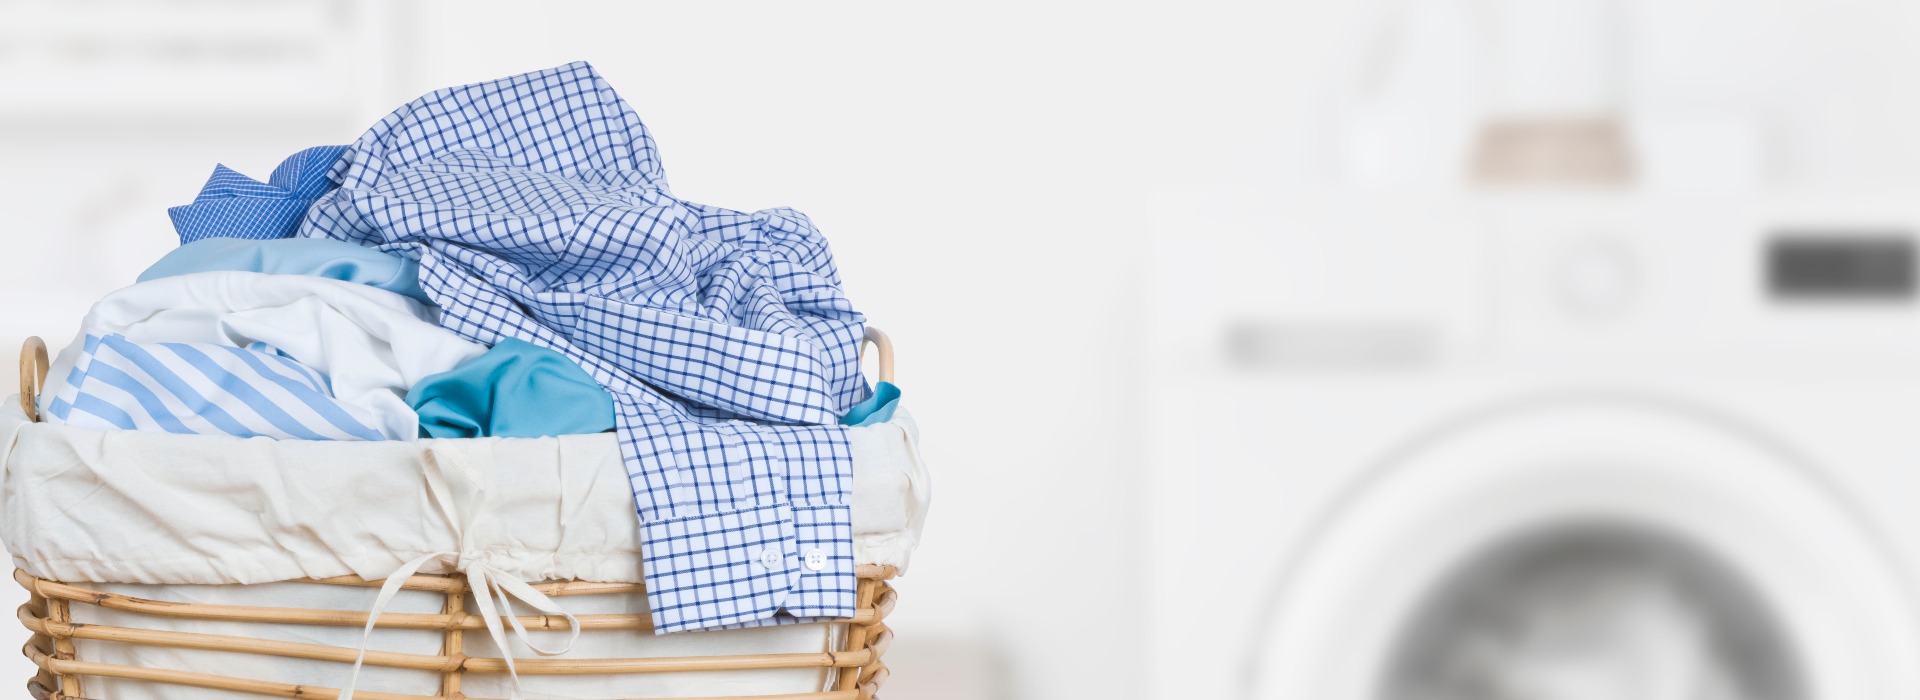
x,y
538,210
232,205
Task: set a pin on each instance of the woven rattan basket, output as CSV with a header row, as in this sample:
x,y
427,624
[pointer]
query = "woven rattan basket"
x,y
854,662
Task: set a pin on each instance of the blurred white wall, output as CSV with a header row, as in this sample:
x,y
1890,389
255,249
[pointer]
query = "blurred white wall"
x,y
981,169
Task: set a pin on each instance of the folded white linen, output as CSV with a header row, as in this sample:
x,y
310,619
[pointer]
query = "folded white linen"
x,y
371,343
140,507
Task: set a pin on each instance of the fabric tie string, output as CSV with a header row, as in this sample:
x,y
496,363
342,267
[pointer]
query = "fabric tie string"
x,y
488,583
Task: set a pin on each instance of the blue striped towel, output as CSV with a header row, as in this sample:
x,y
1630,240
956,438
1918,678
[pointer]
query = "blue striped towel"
x,y
202,388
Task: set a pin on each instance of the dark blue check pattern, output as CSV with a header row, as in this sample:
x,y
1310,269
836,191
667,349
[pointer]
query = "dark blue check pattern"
x,y
232,205
538,210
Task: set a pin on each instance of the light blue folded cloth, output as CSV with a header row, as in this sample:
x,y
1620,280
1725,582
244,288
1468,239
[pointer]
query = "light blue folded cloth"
x,y
516,389
232,205
878,408
331,259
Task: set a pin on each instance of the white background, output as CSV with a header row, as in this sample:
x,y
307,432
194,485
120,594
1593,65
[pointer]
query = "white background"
x,y
982,170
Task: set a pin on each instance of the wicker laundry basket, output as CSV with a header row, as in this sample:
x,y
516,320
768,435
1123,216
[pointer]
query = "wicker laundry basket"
x,y
852,659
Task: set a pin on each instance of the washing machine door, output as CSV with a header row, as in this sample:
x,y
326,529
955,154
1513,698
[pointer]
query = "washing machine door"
x,y
1584,548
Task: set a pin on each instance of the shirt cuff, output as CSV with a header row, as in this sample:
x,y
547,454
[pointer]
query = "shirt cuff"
x,y
827,594
760,573
718,569
825,536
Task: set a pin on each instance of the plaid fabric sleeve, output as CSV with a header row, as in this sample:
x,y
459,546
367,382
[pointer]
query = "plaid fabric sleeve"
x,y
786,556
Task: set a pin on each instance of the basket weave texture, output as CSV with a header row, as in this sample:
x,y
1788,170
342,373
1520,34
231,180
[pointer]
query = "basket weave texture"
x,y
48,614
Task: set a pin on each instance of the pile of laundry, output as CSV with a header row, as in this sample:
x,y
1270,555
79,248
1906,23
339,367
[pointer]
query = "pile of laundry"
x,y
505,259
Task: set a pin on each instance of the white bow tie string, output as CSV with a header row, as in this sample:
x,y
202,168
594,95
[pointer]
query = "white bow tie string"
x,y
488,583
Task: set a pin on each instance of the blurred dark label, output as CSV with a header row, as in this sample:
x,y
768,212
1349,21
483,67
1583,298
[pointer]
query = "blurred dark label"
x,y
1331,346
1832,266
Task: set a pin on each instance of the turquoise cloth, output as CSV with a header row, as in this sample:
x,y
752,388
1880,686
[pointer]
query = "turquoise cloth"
x,y
515,389
331,259
878,408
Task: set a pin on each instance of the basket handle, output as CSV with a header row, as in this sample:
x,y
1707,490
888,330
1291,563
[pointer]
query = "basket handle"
x,y
885,345
33,367
33,375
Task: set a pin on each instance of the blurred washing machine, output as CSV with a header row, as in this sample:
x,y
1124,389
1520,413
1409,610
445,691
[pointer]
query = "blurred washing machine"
x,y
115,110
1533,446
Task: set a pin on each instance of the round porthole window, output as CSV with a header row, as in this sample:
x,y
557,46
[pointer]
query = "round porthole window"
x,y
1588,550
1593,610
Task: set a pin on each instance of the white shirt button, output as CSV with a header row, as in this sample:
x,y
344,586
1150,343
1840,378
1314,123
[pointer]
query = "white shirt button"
x,y
816,560
770,558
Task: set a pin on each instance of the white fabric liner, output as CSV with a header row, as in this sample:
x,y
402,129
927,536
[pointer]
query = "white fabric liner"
x,y
154,511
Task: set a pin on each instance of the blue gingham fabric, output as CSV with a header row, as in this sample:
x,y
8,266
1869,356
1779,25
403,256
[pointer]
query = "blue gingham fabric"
x,y
232,205
203,389
538,210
